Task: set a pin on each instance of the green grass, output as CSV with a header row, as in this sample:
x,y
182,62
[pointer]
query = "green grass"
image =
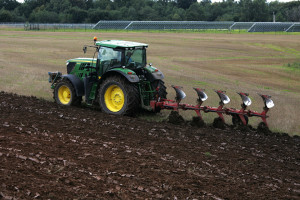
x,y
208,154
205,31
202,83
278,48
295,65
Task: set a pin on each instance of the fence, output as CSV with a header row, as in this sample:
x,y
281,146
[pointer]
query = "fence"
x,y
200,25
168,25
43,26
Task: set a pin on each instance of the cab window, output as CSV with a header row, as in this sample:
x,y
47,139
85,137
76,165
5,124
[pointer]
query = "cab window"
x,y
135,57
109,58
109,54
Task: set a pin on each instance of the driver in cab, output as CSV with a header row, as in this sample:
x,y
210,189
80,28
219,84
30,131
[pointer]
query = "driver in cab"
x,y
128,58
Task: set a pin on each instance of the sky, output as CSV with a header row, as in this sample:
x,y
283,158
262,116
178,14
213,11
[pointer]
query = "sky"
x,y
21,1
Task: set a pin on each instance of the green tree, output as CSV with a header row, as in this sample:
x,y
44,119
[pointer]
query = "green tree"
x,y
293,14
5,16
195,12
260,10
58,6
246,12
9,4
102,4
78,15
132,13
79,3
148,13
185,4
95,15
44,16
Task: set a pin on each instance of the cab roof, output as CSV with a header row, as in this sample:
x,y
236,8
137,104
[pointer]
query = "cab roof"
x,y
120,44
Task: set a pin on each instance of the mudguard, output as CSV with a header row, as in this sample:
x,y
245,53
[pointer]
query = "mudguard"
x,y
133,78
158,75
153,74
76,82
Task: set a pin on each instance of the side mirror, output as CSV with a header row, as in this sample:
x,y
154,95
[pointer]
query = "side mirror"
x,y
84,49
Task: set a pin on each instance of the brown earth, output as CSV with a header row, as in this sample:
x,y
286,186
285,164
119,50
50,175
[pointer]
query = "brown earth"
x,y
52,152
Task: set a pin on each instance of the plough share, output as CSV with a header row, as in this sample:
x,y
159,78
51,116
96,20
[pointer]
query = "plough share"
x,y
239,117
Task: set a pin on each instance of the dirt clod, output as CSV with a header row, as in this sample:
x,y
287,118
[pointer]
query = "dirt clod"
x,y
175,118
218,123
198,122
262,128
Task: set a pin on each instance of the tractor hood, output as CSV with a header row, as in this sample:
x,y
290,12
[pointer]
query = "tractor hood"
x,y
87,61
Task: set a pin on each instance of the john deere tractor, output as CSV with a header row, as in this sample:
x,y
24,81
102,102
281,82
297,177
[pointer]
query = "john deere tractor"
x,y
117,78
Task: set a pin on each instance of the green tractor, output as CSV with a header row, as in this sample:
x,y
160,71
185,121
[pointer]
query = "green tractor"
x,y
117,78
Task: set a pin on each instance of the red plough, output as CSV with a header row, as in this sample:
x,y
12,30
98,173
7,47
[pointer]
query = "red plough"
x,y
239,117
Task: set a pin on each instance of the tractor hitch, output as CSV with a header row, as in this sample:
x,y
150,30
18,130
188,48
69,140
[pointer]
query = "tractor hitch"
x,y
53,77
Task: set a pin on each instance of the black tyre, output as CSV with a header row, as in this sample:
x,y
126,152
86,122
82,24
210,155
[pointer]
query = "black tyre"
x,y
64,94
118,96
162,90
160,93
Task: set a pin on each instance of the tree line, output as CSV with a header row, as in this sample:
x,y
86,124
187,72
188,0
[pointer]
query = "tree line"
x,y
92,11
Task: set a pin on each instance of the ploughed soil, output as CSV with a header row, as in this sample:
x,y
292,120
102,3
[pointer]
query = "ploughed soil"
x,y
49,151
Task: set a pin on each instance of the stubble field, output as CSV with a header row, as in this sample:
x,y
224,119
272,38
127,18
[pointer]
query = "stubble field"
x,y
252,63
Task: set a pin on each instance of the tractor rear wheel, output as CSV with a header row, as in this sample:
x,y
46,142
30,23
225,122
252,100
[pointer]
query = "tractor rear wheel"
x,y
64,94
162,90
118,96
159,85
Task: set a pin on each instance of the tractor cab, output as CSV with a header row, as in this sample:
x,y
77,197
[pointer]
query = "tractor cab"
x,y
120,54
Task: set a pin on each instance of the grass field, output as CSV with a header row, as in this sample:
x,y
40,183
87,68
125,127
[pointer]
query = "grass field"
x,y
253,63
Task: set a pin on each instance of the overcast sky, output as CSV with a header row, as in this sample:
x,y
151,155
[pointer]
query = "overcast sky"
x,y
211,0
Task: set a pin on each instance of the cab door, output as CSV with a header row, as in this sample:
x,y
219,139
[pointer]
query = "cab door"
x,y
109,58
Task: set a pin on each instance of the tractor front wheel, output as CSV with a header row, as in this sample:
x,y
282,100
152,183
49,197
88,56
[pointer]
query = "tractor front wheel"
x,y
64,94
118,96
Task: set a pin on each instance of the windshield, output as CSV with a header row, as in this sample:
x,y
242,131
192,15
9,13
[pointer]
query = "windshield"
x,y
108,54
135,58
111,58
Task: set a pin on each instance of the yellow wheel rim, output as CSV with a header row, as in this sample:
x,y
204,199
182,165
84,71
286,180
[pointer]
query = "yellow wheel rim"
x,y
114,98
64,94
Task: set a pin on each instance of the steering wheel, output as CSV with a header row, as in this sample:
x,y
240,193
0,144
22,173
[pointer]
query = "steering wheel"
x,y
132,65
